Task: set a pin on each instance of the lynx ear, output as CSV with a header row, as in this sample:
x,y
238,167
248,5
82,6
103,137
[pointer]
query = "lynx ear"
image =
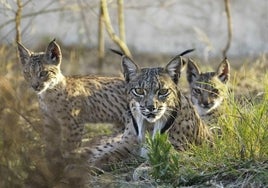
x,y
53,53
192,72
129,68
174,68
24,54
223,71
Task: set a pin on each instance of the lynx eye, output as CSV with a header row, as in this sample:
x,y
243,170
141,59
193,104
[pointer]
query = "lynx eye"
x,y
138,92
163,92
43,74
214,92
197,91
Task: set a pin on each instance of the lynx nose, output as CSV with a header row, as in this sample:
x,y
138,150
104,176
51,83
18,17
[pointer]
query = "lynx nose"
x,y
151,108
207,104
35,86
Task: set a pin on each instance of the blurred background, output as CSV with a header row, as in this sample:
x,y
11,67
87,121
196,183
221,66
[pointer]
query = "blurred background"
x,y
154,26
150,31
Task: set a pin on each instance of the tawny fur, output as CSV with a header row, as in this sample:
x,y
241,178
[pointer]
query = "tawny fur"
x,y
68,102
156,104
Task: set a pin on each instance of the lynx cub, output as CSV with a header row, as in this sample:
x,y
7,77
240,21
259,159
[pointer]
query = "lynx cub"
x,y
67,102
208,89
156,104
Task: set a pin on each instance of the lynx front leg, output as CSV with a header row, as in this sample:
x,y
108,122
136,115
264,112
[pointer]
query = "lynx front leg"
x,y
112,150
62,134
54,160
71,134
111,153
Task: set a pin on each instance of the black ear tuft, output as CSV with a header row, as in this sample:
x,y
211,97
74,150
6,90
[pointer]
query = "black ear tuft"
x,y
192,71
129,68
53,53
117,52
186,52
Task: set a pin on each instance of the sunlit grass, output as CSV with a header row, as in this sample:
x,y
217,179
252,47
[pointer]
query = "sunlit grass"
x,y
239,156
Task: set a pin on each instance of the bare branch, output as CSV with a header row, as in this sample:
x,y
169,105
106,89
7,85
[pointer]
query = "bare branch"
x,y
36,14
26,119
121,20
84,20
6,7
110,29
101,42
17,21
26,3
229,25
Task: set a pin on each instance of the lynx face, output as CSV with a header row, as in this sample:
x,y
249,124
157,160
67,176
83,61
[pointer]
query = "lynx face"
x,y
41,70
150,96
209,89
152,92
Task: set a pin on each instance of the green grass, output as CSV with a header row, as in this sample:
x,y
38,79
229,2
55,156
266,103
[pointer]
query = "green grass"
x,y
238,158
163,159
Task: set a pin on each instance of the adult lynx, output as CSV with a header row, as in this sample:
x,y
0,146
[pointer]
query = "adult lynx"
x,y
156,104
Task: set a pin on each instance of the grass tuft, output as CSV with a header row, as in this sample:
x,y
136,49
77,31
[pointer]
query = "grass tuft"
x,y
238,158
162,158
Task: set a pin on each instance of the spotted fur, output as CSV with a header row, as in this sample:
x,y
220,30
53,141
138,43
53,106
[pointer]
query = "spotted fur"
x,y
68,102
156,104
